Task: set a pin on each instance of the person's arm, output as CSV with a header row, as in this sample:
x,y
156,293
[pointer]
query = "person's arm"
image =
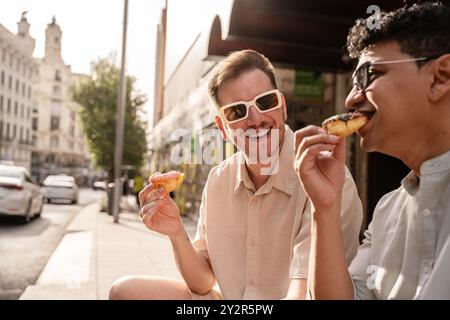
x,y
319,162
161,214
297,289
194,268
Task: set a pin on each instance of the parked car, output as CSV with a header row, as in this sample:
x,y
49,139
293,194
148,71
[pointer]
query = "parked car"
x,y
99,185
20,194
60,187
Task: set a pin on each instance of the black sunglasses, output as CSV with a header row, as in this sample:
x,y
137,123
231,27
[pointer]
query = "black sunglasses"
x,y
361,76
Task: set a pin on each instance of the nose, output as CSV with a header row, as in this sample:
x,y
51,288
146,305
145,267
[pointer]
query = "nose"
x,y
254,117
354,98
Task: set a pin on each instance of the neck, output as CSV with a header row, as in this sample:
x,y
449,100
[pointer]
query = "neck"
x,y
254,172
427,149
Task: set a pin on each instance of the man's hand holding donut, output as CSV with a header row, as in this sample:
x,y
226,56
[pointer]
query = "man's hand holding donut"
x,y
158,211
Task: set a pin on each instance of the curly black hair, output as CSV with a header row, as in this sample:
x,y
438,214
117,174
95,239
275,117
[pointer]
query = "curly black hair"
x,y
420,30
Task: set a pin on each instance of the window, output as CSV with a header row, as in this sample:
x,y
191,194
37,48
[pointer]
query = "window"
x,y
14,131
54,123
16,108
34,124
23,89
21,134
54,142
7,130
22,112
3,55
1,128
9,106
1,103
28,135
17,86
28,112
56,90
57,75
10,82
34,140
2,80
29,92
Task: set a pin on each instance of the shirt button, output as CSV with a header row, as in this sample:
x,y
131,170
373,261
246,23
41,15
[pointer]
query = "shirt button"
x,y
426,212
252,243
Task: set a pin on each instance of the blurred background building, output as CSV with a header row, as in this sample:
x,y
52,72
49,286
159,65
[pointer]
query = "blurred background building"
x,y
305,40
40,128
58,140
16,68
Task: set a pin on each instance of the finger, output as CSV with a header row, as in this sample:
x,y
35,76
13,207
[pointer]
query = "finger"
x,y
307,159
150,206
155,207
148,219
154,195
339,151
309,141
145,192
305,132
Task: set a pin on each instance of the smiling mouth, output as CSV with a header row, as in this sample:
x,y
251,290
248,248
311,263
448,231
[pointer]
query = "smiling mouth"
x,y
262,133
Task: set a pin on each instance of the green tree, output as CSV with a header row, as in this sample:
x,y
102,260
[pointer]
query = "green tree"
x,y
98,96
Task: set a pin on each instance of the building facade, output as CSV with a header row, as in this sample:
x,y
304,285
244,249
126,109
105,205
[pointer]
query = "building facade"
x,y
16,72
57,136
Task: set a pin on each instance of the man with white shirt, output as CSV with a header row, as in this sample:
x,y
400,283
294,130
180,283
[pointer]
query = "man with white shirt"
x,y
402,83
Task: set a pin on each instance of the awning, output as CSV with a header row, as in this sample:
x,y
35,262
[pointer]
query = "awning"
x,y
296,33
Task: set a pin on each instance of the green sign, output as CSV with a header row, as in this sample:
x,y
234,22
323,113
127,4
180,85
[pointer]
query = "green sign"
x,y
308,85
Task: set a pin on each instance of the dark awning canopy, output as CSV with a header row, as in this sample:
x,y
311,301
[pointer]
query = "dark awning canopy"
x,y
298,33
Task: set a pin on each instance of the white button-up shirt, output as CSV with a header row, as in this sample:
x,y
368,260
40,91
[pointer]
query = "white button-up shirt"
x,y
404,246
257,240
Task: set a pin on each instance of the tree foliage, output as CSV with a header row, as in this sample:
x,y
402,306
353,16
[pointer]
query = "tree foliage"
x,y
98,96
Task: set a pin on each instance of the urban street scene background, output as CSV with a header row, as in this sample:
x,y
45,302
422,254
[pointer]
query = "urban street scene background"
x,y
60,64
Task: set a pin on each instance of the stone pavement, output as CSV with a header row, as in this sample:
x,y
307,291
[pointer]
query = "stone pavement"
x,y
95,251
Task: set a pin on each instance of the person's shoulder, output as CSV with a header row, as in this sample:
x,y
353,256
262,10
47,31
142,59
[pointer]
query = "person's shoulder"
x,y
227,168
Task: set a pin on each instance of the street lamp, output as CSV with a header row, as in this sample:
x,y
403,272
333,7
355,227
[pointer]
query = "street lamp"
x,y
120,121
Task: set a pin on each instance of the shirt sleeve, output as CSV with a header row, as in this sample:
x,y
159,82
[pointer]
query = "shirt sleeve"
x,y
301,245
360,270
199,243
351,217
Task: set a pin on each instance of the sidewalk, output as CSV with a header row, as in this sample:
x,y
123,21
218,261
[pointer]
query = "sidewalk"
x,y
95,251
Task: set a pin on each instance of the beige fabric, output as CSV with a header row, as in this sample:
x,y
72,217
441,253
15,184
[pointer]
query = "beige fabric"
x,y
405,246
257,240
213,294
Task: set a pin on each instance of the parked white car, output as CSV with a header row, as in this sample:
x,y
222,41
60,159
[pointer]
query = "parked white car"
x,y
20,194
60,187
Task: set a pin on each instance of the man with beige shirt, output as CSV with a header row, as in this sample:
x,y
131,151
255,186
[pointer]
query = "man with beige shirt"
x,y
253,233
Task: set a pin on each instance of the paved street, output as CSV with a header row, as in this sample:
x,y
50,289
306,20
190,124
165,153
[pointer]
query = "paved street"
x,y
25,249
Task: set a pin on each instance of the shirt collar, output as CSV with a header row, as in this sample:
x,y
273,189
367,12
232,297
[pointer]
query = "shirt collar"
x,y
433,166
284,180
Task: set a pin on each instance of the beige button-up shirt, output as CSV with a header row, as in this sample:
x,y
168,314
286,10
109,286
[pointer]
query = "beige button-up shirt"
x,y
406,247
257,240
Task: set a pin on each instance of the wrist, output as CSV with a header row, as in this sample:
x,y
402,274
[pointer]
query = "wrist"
x,y
179,237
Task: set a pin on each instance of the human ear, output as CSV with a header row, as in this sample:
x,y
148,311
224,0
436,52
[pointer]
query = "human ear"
x,y
221,126
440,86
283,101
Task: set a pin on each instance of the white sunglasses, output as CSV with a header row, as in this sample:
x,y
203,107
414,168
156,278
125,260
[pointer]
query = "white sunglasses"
x,y
264,102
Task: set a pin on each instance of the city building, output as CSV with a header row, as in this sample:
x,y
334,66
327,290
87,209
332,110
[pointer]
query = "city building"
x,y
16,71
58,140
305,40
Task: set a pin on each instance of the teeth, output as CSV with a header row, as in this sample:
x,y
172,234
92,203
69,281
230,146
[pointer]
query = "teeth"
x,y
260,134
257,135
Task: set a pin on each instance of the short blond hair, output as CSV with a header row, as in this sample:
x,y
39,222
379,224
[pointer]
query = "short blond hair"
x,y
235,65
